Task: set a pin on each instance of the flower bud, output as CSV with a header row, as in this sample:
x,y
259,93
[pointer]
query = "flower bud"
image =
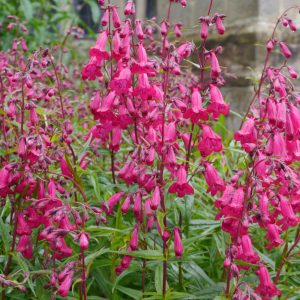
x,y
178,248
83,241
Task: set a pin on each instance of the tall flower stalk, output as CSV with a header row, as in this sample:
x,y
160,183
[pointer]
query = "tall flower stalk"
x,y
144,98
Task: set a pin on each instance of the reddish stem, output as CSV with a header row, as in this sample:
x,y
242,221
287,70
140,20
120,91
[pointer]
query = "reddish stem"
x,y
58,86
165,55
83,276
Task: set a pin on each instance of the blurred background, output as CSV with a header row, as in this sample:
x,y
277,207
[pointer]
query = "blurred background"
x,y
249,24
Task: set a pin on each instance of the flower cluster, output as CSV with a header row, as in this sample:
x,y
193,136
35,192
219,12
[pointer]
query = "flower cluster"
x,y
38,166
146,97
267,193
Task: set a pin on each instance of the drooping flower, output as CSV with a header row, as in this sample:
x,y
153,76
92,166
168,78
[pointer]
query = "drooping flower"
x,y
215,67
65,286
134,238
217,105
155,200
209,141
99,51
83,241
215,183
248,253
285,50
266,288
178,247
219,24
181,187
247,134
65,168
196,112
114,200
273,236
23,227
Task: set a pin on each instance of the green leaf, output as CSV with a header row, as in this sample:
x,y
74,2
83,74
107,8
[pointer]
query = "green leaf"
x,y
22,263
85,147
95,10
26,8
134,294
159,278
91,257
4,232
146,254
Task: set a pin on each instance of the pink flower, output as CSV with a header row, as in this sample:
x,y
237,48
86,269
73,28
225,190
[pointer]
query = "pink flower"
x,y
164,28
247,134
266,288
65,168
226,197
178,248
219,24
25,246
285,50
23,45
217,105
129,8
270,45
99,50
279,146
295,119
215,183
273,236
105,18
91,70
4,177
155,200
204,21
248,253
137,206
215,67
181,187
52,189
209,141
114,200
61,247
121,83
143,88
107,102
34,119
23,227
196,112
83,241
292,73
65,286
126,260
134,238
292,26
170,133
126,205
177,29
184,50
139,29
115,17
289,217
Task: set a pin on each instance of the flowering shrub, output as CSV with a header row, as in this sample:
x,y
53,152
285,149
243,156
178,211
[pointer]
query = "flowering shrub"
x,y
123,186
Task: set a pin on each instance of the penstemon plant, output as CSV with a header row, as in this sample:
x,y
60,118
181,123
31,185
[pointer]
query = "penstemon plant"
x,y
266,191
166,113
153,138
